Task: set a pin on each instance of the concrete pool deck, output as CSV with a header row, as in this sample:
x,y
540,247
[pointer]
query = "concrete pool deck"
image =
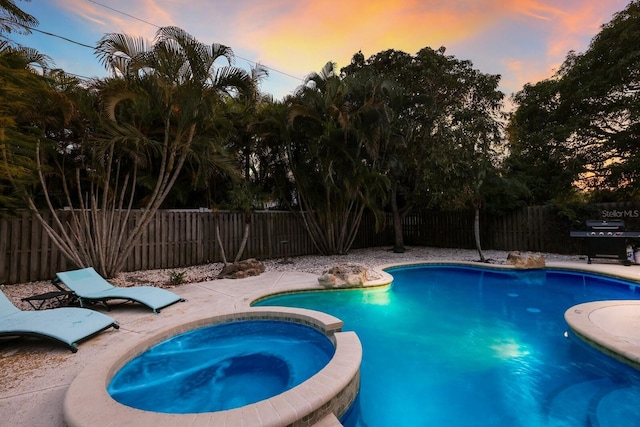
x,y
35,374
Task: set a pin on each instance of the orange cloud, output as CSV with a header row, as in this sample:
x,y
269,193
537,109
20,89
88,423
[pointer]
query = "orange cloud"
x,y
563,26
298,37
538,9
582,21
303,36
568,23
121,17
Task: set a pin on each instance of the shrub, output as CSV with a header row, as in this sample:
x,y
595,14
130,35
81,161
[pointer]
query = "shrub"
x,y
177,277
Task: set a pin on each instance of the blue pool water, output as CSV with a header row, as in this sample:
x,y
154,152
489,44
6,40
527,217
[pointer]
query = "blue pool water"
x,y
221,367
463,346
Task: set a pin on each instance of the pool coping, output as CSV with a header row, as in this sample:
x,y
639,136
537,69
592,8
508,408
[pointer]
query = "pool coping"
x,y
598,324
330,391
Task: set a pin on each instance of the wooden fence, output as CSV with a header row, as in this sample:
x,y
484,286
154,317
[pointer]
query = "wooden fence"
x,y
529,229
173,239
533,228
179,238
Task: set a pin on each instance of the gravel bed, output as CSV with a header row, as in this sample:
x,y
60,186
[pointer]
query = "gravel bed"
x,y
313,264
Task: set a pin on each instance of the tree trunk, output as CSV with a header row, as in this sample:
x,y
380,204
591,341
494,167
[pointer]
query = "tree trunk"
x,y
219,240
476,233
245,237
398,235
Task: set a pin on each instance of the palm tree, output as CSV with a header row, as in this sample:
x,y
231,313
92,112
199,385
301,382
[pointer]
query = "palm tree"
x,y
154,106
14,20
332,156
24,97
244,115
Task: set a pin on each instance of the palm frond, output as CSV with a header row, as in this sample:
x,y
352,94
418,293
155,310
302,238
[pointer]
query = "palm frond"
x,y
116,52
15,20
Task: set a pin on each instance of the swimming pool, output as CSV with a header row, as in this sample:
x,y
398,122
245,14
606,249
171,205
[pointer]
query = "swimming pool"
x,y
467,346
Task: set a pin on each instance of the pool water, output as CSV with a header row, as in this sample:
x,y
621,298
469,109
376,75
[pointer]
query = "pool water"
x,y
222,367
464,346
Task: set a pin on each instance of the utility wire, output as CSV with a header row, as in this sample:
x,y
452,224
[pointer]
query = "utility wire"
x,y
60,37
158,26
146,22
125,14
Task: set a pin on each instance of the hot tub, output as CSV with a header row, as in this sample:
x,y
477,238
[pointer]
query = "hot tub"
x,y
329,391
222,367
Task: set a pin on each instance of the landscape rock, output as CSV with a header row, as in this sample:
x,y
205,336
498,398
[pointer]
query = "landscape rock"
x,y
344,276
526,259
242,269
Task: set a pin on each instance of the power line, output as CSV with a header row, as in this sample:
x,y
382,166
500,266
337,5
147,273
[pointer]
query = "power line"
x,y
65,39
158,26
125,14
60,37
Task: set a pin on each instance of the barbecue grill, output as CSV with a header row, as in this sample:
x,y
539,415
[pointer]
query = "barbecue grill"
x,y
606,239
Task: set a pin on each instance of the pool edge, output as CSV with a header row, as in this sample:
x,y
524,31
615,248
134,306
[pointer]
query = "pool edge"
x,y
592,323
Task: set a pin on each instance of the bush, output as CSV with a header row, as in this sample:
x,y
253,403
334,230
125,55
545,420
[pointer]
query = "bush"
x,y
177,277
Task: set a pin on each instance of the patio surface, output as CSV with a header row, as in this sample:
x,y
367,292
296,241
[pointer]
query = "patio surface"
x,y
35,374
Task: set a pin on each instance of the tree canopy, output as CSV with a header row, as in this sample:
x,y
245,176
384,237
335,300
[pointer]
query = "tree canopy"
x,y
331,154
579,130
444,123
14,20
144,123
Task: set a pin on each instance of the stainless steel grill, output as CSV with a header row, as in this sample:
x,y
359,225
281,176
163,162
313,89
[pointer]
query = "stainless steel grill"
x,y
606,239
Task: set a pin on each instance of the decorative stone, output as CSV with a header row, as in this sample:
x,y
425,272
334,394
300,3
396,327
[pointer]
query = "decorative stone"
x,y
242,269
526,259
344,276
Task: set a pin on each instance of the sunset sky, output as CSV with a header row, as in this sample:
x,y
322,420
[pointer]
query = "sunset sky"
x,y
522,40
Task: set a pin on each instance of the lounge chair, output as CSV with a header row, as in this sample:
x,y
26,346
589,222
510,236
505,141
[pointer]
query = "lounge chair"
x,y
89,286
68,325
